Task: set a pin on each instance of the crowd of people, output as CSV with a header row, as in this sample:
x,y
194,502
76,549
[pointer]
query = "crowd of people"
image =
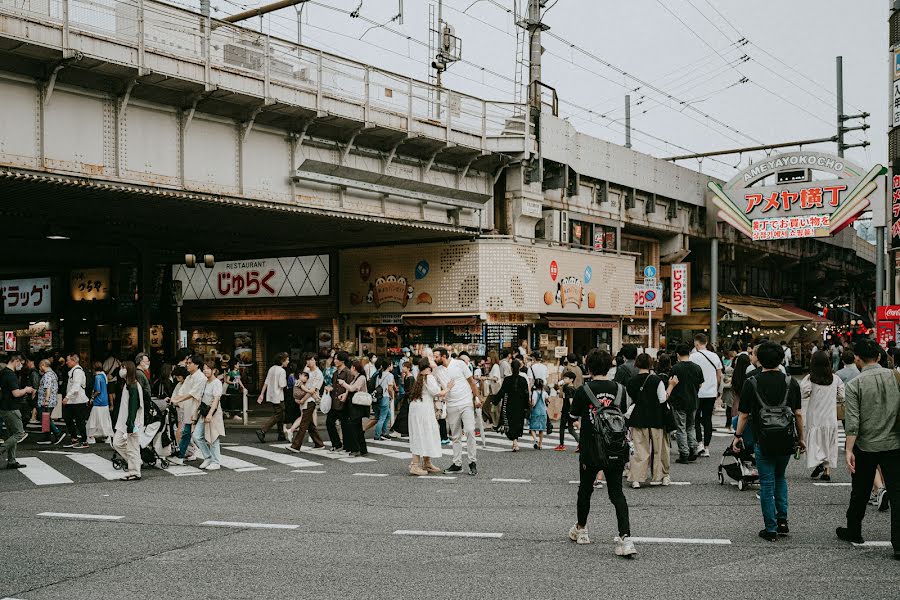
x,y
624,413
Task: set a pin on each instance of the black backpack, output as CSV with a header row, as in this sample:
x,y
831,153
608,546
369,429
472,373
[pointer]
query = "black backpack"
x,y
775,424
373,382
608,428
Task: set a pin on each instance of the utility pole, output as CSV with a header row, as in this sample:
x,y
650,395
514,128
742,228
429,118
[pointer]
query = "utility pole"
x,y
841,117
628,120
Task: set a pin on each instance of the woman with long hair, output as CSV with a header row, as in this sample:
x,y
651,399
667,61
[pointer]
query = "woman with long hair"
x,y
208,423
424,433
515,405
821,391
354,438
130,422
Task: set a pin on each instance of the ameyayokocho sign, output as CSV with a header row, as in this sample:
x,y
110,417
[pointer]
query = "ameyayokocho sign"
x,y
257,278
802,206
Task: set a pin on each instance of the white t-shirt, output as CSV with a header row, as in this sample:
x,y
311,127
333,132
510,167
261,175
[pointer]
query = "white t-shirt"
x,y
787,355
538,371
385,382
370,370
276,381
211,389
710,387
316,379
458,371
751,368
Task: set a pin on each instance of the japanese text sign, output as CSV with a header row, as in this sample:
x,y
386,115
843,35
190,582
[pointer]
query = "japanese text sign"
x,y
257,278
25,296
680,290
89,284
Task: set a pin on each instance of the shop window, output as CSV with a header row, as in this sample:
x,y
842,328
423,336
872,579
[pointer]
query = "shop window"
x,y
580,233
645,248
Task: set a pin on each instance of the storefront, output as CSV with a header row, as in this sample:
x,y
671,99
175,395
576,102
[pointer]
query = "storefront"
x,y
482,296
251,310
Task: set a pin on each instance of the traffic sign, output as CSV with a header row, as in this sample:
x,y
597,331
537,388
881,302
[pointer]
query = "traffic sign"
x,y
649,296
650,271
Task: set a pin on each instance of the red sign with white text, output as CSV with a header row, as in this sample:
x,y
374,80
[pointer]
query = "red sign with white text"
x,y
680,290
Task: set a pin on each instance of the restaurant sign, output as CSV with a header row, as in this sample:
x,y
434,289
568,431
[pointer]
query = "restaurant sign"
x,y
256,278
779,198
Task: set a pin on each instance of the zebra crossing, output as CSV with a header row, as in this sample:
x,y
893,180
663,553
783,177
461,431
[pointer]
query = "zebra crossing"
x,y
55,467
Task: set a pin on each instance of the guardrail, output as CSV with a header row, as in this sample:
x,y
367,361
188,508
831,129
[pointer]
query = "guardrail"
x,y
159,28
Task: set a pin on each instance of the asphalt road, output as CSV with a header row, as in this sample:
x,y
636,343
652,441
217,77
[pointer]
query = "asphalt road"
x,y
336,535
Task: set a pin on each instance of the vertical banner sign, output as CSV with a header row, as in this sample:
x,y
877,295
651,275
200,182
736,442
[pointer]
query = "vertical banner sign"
x,y
894,242
680,290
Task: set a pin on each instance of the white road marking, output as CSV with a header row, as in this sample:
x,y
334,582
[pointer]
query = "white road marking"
x,y
396,444
656,540
99,465
386,452
309,472
502,480
284,459
873,545
575,481
470,534
371,474
679,483
40,473
184,470
64,452
249,525
81,516
831,484
324,453
448,477
239,464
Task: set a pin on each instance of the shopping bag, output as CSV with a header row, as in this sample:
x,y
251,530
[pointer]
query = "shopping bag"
x,y
325,404
45,422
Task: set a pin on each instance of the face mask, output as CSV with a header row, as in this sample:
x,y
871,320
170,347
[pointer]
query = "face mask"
x,y
18,366
122,372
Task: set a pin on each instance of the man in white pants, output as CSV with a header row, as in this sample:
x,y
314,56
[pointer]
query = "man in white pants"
x,y
462,400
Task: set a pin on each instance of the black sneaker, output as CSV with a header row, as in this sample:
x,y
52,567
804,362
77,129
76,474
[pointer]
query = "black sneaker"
x,y
682,460
473,468
882,500
896,555
783,528
846,535
817,471
15,465
692,457
261,436
22,436
61,437
453,469
769,536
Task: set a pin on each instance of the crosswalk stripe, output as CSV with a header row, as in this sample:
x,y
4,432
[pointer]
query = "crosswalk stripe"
x,y
503,480
239,464
99,465
248,525
471,534
81,516
40,473
385,452
183,470
324,453
398,444
284,459
656,540
873,545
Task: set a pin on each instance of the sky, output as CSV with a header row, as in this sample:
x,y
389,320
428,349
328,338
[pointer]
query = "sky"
x,y
696,84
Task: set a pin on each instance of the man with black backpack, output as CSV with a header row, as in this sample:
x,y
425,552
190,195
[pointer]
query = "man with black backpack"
x,y
770,401
604,447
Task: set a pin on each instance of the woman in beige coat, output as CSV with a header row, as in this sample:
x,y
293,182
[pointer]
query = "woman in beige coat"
x,y
207,422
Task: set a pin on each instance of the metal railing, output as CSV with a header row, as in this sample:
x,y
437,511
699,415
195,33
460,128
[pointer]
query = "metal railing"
x,y
157,28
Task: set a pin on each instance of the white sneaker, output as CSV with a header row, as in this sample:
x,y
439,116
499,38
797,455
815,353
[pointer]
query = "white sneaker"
x,y
666,480
91,440
635,485
191,458
394,435
700,449
704,453
624,546
175,460
205,463
214,467
579,536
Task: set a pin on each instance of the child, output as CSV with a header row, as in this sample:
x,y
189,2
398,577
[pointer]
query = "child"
x,y
567,390
301,397
537,423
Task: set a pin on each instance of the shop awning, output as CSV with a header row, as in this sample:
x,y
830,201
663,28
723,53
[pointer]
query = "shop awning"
x,y
582,324
808,315
433,321
767,316
694,320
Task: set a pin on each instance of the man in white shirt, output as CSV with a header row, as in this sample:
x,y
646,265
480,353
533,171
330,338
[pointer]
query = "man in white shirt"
x,y
75,404
273,391
188,400
462,400
787,354
537,370
712,368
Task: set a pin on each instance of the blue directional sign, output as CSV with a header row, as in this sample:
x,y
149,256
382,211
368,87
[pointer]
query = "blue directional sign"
x,y
650,271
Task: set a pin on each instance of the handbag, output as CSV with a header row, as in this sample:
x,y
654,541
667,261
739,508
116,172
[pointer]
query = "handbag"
x,y
45,422
840,411
362,399
440,409
57,412
325,404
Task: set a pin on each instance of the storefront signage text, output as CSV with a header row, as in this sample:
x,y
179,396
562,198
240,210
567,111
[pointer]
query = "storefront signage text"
x,y
895,206
680,290
257,278
391,288
89,284
25,296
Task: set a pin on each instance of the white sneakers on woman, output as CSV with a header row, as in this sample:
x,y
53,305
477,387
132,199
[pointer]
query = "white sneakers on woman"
x,y
624,546
205,463
579,536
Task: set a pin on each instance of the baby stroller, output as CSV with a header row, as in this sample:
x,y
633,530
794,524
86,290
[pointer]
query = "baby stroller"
x,y
157,439
740,467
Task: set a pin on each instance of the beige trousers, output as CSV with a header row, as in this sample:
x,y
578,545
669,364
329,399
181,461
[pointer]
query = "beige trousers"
x,y
128,446
649,445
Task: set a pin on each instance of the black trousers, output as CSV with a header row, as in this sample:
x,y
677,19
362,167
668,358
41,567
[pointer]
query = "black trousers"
x,y
75,416
703,421
866,463
564,424
613,471
352,425
442,425
331,420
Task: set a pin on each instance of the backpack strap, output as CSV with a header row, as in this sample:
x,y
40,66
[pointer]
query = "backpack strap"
x,y
592,397
787,390
620,394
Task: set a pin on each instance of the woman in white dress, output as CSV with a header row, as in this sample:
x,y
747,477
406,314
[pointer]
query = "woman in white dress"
x,y
821,391
424,433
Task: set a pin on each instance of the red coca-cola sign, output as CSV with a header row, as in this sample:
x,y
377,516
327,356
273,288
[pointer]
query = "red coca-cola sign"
x,y
889,313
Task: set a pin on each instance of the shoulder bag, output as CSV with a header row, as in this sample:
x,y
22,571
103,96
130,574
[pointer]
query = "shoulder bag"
x,y
362,398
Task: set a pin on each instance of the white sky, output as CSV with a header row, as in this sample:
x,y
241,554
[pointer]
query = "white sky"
x,y
645,39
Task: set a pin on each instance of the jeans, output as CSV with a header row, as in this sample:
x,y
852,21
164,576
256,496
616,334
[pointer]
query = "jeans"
x,y
384,417
331,420
866,462
185,440
53,428
687,443
462,419
76,420
13,421
209,451
773,488
613,471
703,423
